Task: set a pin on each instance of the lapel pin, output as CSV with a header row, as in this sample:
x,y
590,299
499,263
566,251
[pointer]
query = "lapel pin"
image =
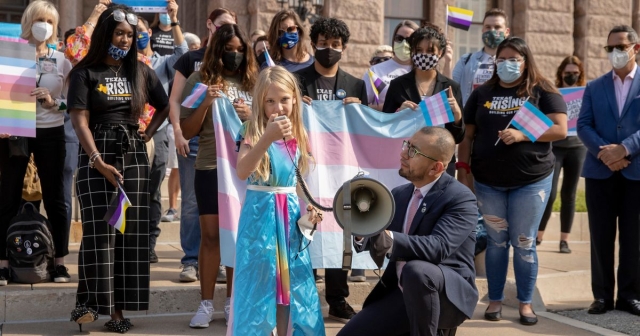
x,y
424,208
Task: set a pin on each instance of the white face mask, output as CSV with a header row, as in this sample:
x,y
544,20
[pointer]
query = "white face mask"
x,y
41,31
619,58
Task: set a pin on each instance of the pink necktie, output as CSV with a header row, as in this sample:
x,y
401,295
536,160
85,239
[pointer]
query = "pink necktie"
x,y
413,208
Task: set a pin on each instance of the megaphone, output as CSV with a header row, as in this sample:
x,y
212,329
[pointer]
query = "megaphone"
x,y
363,207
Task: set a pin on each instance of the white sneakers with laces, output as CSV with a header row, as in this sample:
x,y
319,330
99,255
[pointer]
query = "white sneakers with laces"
x,y
203,316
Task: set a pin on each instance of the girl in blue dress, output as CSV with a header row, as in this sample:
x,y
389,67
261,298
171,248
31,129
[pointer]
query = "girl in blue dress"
x,y
273,280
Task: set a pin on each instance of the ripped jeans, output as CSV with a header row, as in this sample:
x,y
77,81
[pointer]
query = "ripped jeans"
x,y
511,217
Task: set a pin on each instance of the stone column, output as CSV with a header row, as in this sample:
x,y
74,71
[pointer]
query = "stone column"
x,y
70,15
547,26
601,16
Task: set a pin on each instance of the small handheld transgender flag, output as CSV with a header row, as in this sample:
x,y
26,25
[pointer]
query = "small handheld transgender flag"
x,y
196,97
530,121
116,213
459,18
377,85
270,61
436,109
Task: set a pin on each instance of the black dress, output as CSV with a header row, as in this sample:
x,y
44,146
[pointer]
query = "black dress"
x,y
113,267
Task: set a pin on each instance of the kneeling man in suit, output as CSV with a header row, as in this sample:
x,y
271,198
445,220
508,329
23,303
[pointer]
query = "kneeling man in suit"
x,y
429,283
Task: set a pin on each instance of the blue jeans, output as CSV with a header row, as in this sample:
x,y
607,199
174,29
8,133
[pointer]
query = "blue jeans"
x,y
511,217
189,216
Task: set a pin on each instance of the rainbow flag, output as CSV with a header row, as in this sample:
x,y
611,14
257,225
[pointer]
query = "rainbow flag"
x,y
116,213
459,17
17,80
270,61
196,97
345,139
531,121
436,109
377,85
146,6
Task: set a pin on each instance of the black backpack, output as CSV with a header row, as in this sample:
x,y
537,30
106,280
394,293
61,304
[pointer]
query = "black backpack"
x,y
30,247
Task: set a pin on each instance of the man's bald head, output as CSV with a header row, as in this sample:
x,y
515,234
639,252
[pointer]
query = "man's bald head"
x,y
444,145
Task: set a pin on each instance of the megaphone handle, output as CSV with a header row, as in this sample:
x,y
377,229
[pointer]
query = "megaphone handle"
x,y
347,254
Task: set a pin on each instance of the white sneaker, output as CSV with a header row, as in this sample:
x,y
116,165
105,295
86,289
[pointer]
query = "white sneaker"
x,y
203,316
227,309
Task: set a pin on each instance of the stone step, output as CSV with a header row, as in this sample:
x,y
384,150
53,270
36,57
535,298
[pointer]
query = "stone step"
x,y
563,283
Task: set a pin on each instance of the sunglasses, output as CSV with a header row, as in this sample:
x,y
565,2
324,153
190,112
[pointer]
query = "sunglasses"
x,y
400,38
621,47
412,151
376,60
290,29
120,16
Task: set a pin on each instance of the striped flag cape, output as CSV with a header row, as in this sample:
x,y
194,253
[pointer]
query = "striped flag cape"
x,y
17,79
116,213
436,109
377,85
270,61
196,97
345,139
531,121
459,17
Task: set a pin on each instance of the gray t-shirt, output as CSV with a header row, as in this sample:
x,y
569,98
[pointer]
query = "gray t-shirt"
x,y
325,88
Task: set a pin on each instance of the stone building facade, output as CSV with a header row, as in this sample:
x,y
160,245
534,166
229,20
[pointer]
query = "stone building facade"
x,y
553,28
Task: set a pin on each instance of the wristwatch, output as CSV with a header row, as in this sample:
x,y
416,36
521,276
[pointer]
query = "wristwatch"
x,y
177,23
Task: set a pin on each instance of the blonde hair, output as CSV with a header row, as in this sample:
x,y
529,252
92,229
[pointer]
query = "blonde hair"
x,y
382,49
33,11
279,76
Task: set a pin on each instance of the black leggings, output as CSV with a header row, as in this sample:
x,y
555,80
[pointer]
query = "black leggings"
x,y
570,160
48,148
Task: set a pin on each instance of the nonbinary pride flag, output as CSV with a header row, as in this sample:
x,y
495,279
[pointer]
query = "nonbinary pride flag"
x,y
377,85
116,213
531,121
459,17
196,97
436,109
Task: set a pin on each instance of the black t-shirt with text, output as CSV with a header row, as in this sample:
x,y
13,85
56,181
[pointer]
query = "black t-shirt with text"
x,y
162,41
190,62
325,88
490,109
107,97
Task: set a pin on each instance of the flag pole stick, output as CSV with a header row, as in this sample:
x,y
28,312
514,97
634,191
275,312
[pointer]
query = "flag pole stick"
x,y
509,124
446,23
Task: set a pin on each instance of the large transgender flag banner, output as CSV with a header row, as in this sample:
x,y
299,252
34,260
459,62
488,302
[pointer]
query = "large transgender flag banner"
x,y
345,139
573,98
17,80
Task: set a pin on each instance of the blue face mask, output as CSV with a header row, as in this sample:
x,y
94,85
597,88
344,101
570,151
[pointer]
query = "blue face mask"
x,y
143,40
289,40
509,71
53,46
165,19
117,53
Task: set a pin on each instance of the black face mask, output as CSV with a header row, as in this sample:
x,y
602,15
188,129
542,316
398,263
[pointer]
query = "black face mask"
x,y
570,79
232,60
328,57
262,59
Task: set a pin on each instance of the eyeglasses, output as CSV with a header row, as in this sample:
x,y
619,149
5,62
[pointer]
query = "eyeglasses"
x,y
400,38
621,47
412,151
120,16
513,59
290,29
376,60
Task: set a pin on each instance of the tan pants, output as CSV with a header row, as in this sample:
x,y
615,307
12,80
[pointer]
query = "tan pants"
x,y
151,150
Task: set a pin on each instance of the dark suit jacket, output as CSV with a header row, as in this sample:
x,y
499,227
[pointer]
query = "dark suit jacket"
x,y
443,235
354,87
601,124
404,88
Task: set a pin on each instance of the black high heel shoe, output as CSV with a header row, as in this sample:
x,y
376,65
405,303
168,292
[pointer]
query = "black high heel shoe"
x,y
527,320
82,315
495,316
120,326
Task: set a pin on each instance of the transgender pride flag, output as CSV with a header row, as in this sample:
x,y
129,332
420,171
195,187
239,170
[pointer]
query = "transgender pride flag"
x,y
345,139
436,109
531,121
270,61
196,97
